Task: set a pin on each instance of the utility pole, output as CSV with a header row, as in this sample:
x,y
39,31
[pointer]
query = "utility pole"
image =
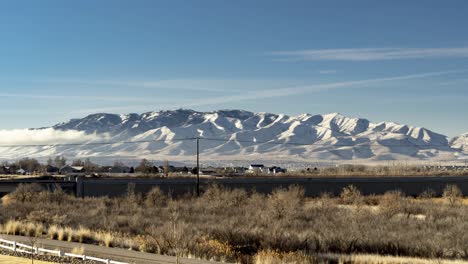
x,y
198,167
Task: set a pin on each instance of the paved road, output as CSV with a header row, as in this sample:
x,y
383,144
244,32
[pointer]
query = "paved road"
x,y
104,252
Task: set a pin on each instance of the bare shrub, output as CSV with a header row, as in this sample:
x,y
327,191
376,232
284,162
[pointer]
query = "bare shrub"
x,y
392,202
284,203
234,225
216,197
155,198
453,194
351,195
25,192
427,194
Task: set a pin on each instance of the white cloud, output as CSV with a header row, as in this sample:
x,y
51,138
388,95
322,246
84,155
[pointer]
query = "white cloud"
x,y
370,54
46,136
266,93
205,85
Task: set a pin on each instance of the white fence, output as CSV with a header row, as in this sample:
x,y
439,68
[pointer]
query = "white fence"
x,y
23,248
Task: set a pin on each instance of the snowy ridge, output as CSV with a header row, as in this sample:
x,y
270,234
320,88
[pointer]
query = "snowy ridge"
x,y
329,136
460,142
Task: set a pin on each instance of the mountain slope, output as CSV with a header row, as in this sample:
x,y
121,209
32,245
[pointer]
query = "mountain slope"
x,y
237,134
460,142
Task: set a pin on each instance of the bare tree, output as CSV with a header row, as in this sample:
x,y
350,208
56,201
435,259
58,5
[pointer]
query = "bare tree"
x,y
33,242
60,161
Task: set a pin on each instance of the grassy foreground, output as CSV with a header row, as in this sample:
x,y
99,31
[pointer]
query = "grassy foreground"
x,y
236,226
16,260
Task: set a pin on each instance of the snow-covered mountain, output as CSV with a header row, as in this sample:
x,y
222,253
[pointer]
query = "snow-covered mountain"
x,y
460,142
243,135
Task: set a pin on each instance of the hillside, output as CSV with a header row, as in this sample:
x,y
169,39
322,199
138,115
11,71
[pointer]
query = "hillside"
x,y
237,134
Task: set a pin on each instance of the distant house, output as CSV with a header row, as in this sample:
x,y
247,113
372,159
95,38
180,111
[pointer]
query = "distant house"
x,y
4,170
52,169
67,169
275,170
181,170
21,172
240,170
260,168
256,168
208,171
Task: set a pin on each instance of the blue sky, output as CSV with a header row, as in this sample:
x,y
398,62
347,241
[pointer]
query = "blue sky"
x,y
402,61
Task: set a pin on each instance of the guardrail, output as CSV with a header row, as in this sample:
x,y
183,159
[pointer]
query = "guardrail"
x,y
27,249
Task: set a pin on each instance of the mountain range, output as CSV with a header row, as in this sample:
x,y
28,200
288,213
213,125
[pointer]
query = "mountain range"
x,y
244,135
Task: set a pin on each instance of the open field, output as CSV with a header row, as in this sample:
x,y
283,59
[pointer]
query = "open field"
x,y
237,226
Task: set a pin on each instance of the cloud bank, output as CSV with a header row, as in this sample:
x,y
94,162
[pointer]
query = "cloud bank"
x,y
370,54
47,136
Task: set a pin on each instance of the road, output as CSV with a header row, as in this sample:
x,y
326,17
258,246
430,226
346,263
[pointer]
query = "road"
x,y
116,254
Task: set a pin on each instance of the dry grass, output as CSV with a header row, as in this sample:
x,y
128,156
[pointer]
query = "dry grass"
x,y
105,238
377,171
237,226
78,251
16,260
13,227
376,259
276,257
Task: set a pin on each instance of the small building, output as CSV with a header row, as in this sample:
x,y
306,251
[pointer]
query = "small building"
x,y
5,170
208,171
256,168
181,170
67,169
52,169
275,170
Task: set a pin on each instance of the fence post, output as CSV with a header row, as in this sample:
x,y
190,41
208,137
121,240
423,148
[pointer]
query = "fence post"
x,y
14,246
84,257
60,254
107,261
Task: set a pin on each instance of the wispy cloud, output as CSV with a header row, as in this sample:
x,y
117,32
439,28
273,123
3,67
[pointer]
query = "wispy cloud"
x,y
81,97
370,54
327,71
288,91
206,85
141,105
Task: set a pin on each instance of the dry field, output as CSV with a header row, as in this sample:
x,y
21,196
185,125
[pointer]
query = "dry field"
x,y
236,226
16,260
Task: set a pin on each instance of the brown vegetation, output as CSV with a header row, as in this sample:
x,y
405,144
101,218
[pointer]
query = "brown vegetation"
x,y
233,225
378,171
